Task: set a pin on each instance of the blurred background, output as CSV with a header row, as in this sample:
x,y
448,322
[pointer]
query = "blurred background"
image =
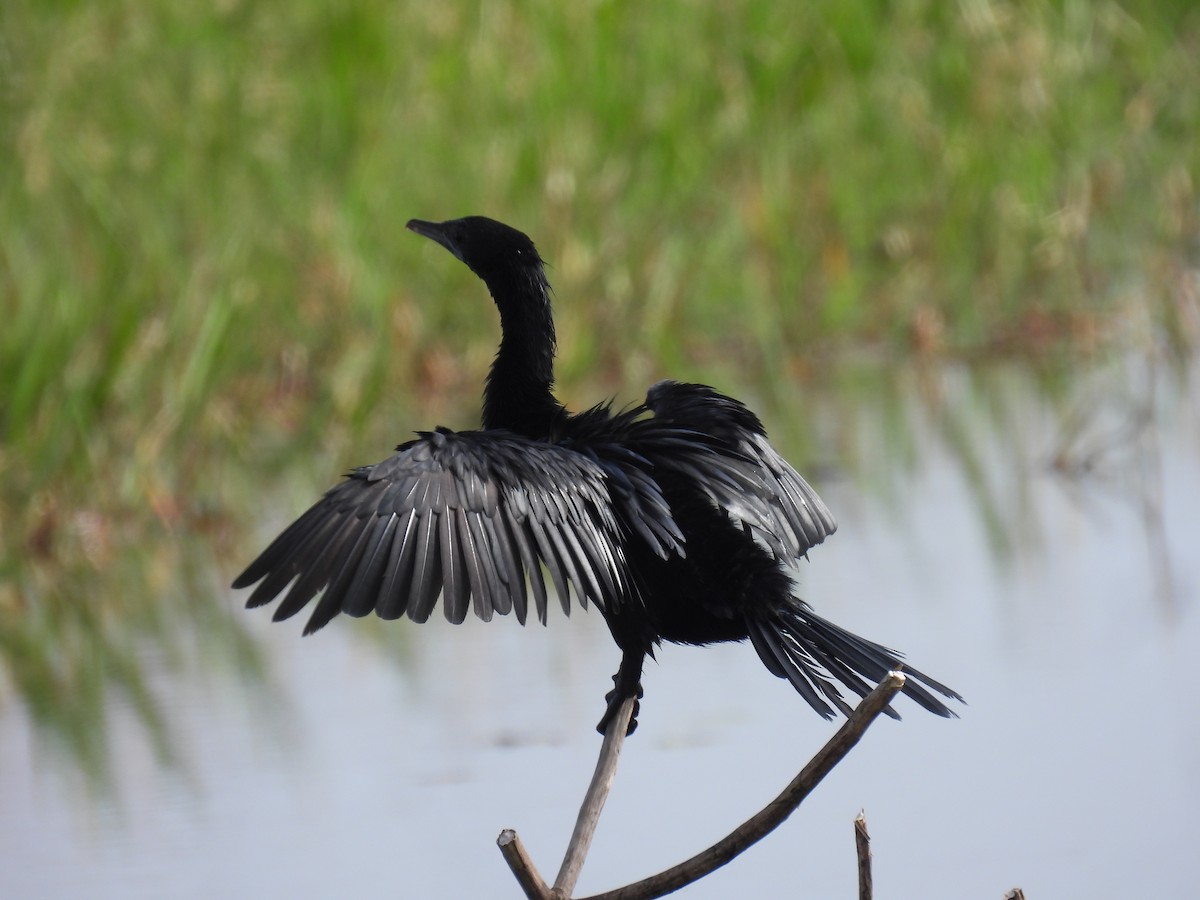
x,y
948,251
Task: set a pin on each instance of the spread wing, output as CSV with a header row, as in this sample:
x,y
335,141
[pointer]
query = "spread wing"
x,y
472,516
778,506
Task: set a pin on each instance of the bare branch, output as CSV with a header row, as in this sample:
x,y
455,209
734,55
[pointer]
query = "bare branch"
x,y
522,866
593,801
772,815
862,846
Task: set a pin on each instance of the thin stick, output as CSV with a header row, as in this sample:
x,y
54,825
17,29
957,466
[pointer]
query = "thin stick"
x,y
772,815
522,866
862,845
593,801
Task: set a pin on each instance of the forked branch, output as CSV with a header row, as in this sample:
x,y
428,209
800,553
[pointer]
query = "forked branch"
x,y
749,832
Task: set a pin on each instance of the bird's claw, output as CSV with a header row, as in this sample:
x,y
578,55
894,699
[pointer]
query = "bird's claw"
x,y
616,697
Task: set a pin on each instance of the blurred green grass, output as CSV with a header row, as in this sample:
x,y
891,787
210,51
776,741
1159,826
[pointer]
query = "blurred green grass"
x,y
201,243
208,296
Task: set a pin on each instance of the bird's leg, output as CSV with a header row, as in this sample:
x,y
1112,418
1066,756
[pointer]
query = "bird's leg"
x,y
626,683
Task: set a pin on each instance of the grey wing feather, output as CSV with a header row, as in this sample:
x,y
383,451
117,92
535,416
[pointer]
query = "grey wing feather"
x,y
472,517
755,486
799,516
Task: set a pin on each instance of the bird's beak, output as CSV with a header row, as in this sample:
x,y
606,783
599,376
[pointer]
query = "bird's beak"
x,y
435,231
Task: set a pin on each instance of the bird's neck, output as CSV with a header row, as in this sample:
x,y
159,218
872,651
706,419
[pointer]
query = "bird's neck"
x,y
519,394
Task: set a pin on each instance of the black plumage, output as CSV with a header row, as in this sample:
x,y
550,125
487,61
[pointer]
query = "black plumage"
x,y
675,518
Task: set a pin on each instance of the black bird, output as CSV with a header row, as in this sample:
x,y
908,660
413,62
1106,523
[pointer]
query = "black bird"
x,y
676,518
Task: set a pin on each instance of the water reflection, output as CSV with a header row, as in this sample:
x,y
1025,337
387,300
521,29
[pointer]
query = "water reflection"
x,y
1023,533
108,625
1020,437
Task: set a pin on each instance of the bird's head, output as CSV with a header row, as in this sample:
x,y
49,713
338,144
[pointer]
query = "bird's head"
x,y
518,395
493,251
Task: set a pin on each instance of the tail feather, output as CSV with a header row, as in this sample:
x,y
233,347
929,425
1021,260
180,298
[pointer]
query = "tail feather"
x,y
805,677
846,672
815,655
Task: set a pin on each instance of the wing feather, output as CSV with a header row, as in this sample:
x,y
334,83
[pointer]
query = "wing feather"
x,y
427,570
741,472
456,587
474,518
362,584
393,595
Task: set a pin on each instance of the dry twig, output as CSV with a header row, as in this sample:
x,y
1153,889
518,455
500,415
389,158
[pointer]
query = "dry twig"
x,y
522,866
749,832
593,801
862,846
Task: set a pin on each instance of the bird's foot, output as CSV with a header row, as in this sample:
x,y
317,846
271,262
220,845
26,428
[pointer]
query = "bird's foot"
x,y
616,697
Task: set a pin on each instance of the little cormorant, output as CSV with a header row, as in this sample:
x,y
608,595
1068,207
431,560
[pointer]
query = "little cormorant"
x,y
675,518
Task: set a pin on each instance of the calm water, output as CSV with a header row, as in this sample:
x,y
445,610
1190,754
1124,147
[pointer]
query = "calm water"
x,y
382,761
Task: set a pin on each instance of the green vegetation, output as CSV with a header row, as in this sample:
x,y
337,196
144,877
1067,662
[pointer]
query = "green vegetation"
x,y
203,266
203,203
